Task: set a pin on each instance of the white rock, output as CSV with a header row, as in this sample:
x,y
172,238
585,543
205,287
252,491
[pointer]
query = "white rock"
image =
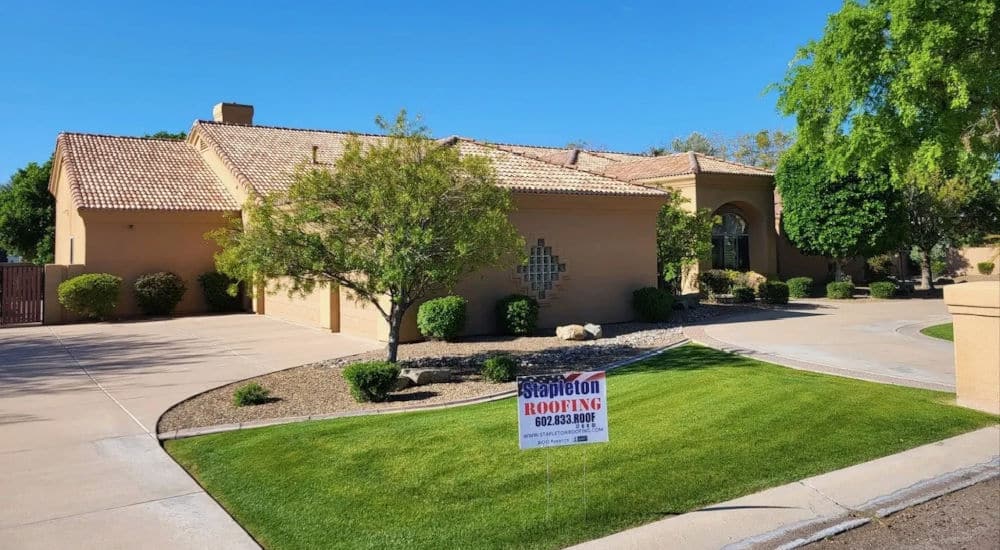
x,y
571,332
594,331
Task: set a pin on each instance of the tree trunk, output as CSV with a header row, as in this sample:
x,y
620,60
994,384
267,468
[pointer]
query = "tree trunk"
x,y
395,321
926,278
838,269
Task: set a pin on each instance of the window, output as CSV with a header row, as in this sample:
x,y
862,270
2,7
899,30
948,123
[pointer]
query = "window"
x,y
542,271
731,243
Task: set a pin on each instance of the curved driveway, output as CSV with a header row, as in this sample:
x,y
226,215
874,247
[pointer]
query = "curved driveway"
x,y
80,465
872,339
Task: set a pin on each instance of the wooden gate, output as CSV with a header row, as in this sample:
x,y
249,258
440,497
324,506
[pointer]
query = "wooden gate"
x,y
21,293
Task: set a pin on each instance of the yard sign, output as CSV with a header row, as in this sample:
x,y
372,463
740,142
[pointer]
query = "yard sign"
x,y
563,409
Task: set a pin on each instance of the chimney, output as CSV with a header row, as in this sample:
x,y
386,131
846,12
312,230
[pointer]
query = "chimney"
x,y
233,113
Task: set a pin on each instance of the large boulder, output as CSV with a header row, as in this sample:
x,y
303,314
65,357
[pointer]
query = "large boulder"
x,y
594,331
422,377
571,332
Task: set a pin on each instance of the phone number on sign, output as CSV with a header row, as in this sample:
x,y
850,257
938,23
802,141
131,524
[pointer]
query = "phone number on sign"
x,y
564,419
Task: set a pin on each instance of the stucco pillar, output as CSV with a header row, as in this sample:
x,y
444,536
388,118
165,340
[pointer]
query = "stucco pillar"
x,y
975,310
52,310
329,304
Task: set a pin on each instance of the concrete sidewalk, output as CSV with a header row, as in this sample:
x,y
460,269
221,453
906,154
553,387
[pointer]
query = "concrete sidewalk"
x,y
80,465
786,516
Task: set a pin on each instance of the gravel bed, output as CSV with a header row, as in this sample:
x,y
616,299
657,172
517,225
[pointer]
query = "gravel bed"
x,y
319,388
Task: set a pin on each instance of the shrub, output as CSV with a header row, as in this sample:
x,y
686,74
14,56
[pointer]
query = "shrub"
x,y
442,318
216,288
158,293
93,295
517,314
879,267
742,294
882,289
250,394
500,368
939,268
715,281
773,292
840,290
985,268
652,305
800,287
749,279
371,381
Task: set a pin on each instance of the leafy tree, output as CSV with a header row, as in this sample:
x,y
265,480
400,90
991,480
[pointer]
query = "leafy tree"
x,y
27,214
585,145
840,216
762,149
395,221
683,238
912,88
697,142
162,134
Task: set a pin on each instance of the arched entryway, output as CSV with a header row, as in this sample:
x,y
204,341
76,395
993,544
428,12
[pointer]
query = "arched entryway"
x,y
731,241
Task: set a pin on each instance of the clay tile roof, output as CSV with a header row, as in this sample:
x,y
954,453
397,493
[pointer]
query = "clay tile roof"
x,y
521,172
127,173
266,158
679,164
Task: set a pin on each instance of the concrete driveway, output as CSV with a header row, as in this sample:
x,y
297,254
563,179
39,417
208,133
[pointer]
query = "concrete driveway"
x,y
873,339
80,466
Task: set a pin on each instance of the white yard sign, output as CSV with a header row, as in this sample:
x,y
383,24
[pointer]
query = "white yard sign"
x,y
563,409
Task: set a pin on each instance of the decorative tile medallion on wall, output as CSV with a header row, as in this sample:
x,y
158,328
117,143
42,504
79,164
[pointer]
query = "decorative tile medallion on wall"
x,y
543,270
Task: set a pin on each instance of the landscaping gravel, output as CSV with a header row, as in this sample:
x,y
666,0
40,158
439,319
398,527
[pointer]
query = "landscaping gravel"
x,y
320,389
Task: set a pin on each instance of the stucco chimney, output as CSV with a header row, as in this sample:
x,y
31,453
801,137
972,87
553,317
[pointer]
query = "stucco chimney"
x,y
233,113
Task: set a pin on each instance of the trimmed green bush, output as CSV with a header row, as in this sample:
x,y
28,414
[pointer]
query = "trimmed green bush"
x,y
840,290
743,294
985,268
250,394
158,293
800,287
517,314
882,289
500,368
371,381
773,292
93,295
652,305
216,288
715,282
442,318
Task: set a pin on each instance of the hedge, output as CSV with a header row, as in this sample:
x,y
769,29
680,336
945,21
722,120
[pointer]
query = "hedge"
x,y
93,295
773,292
442,318
652,305
800,287
840,290
158,293
517,314
882,289
371,381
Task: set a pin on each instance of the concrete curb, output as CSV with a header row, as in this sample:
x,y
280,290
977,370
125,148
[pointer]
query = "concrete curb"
x,y
220,428
698,335
805,511
912,330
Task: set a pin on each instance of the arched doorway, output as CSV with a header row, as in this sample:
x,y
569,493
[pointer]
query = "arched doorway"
x,y
731,242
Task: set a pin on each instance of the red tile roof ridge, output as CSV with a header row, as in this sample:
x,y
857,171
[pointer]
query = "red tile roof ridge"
x,y
290,129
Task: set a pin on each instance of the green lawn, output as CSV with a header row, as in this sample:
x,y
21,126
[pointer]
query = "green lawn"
x,y
944,332
688,428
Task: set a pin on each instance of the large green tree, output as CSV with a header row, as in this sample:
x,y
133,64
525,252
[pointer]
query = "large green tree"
x,y
683,238
394,221
714,145
840,216
912,89
27,214
763,148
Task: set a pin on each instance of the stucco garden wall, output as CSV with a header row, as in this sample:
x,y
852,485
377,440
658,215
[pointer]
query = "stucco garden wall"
x,y
69,225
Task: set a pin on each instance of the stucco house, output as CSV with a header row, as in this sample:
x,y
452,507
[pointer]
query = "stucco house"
x,y
130,206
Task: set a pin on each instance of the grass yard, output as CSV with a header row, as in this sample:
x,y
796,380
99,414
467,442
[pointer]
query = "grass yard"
x,y
944,332
688,428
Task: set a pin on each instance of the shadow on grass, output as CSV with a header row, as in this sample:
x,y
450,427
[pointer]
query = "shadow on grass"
x,y
686,358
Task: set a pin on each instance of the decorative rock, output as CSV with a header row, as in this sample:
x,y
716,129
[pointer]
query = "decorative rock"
x,y
571,332
402,383
593,331
422,377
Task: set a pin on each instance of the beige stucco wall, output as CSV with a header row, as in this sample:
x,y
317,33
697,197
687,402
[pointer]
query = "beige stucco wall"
x,y
132,243
317,308
965,260
69,223
975,310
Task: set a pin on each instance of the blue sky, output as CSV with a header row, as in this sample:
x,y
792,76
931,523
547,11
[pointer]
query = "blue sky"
x,y
624,75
